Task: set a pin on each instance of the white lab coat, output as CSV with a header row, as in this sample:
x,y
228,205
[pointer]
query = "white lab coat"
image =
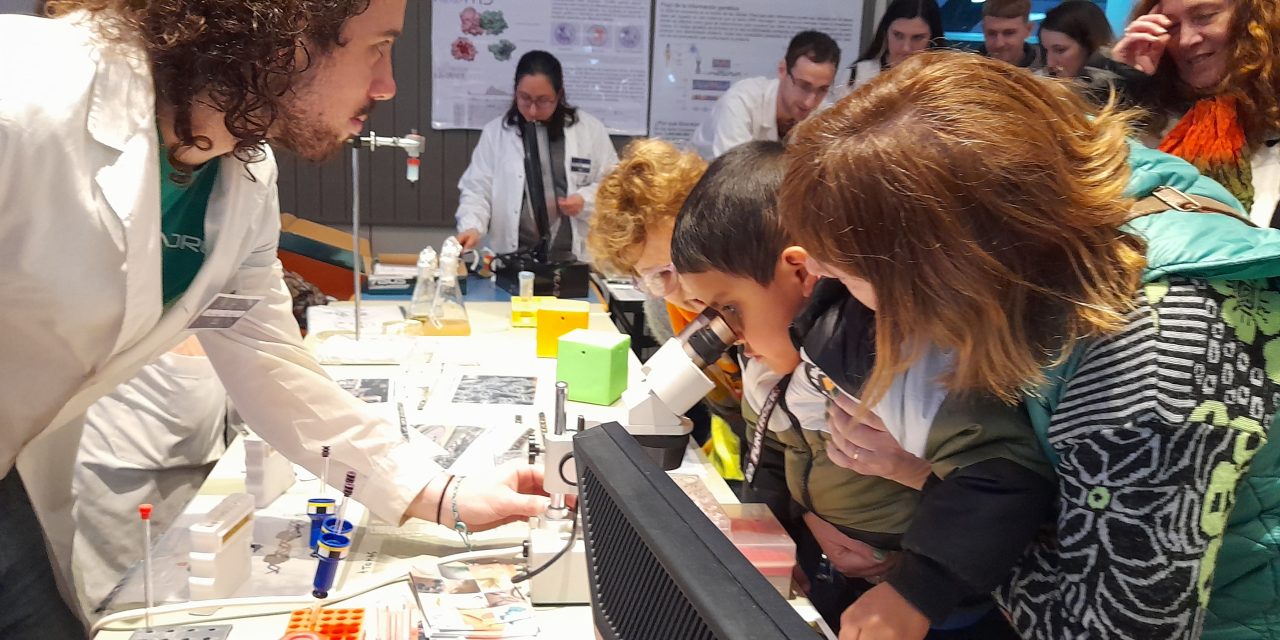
x,y
747,111
491,195
152,440
80,253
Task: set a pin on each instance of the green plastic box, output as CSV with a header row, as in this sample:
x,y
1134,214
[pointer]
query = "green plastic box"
x,y
594,364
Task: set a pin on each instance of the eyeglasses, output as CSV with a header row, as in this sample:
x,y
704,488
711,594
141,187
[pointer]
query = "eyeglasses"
x,y
808,89
540,103
659,282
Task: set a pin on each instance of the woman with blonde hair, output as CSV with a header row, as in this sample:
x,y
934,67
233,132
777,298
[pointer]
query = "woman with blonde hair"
x,y
1093,279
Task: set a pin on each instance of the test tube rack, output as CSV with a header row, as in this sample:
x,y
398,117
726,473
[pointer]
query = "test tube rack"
x,y
334,624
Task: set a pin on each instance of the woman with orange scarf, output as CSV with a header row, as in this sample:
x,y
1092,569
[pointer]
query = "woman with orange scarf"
x,y
1214,90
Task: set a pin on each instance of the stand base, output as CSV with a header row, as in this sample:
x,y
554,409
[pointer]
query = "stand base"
x,y
566,581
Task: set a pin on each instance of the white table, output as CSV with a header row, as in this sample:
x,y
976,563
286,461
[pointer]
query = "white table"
x,y
380,550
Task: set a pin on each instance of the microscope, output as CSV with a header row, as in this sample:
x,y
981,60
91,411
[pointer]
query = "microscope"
x,y
672,382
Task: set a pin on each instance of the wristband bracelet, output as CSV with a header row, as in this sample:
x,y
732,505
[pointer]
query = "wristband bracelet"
x,y
440,501
458,524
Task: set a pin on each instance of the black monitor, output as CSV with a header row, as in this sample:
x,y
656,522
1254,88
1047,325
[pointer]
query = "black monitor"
x,y
659,568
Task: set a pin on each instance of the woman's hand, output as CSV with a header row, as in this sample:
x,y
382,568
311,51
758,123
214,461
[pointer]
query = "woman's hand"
x,y
1144,41
864,445
882,614
850,557
510,494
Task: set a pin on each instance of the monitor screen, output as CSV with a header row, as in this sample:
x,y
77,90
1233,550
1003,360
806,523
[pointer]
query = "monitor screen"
x,y
659,568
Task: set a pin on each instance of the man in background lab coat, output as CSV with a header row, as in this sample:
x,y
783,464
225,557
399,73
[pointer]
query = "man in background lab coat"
x,y
92,105
766,109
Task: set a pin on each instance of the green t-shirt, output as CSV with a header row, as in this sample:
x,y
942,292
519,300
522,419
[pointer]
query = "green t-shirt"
x,y
182,211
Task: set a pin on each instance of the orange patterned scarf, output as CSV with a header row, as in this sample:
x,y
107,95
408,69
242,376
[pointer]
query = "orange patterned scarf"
x,y
1210,137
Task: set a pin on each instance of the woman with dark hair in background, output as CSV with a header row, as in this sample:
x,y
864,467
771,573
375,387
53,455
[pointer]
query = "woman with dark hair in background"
x,y
1073,36
907,26
493,202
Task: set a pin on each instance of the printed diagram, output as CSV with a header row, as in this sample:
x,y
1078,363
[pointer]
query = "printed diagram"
x,y
488,389
565,34
502,50
597,35
630,37
463,49
475,23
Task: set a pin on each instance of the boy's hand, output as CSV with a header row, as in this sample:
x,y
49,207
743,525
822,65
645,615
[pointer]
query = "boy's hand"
x,y
865,446
850,557
882,614
1144,41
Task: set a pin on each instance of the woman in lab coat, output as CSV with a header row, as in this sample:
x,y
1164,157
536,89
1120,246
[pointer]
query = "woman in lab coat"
x,y
493,205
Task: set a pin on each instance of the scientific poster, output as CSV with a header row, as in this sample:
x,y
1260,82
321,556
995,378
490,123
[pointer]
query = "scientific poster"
x,y
701,47
603,46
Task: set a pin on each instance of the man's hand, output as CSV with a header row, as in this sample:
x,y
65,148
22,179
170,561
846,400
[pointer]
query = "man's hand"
x,y
572,205
509,494
882,614
1144,41
850,557
469,238
864,445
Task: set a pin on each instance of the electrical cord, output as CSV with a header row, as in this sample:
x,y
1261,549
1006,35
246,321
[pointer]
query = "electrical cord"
x,y
573,537
272,601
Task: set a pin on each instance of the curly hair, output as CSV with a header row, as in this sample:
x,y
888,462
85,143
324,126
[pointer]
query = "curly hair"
x,y
242,56
1253,70
648,186
1004,249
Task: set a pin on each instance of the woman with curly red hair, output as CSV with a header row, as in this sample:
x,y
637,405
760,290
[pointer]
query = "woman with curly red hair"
x,y
1213,90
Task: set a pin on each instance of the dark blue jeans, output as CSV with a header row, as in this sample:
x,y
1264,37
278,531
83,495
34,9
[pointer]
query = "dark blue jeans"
x,y
32,607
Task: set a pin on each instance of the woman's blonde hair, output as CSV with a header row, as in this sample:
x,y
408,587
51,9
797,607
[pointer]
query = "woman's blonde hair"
x,y
647,187
1253,69
982,204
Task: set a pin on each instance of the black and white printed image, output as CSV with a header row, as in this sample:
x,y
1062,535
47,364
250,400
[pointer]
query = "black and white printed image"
x,y
517,450
510,390
371,390
458,441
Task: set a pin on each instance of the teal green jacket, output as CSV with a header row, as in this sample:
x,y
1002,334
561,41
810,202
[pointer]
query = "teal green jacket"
x,y
1245,598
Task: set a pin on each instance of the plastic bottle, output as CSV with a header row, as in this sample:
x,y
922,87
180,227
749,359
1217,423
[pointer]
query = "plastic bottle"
x,y
447,315
424,291
524,307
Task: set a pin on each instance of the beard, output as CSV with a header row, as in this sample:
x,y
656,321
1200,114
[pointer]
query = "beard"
x,y
304,132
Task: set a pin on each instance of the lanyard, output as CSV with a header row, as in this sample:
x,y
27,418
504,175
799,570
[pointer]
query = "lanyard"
x,y
757,439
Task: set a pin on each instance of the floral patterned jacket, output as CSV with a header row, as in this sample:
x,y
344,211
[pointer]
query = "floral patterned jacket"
x,y
1168,522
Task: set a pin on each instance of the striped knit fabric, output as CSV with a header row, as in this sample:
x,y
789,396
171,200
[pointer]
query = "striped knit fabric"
x,y
1154,431
1210,137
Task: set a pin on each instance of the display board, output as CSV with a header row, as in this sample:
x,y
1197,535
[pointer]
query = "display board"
x,y
603,46
701,47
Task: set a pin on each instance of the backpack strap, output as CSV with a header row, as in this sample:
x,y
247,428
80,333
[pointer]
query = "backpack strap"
x,y
1166,198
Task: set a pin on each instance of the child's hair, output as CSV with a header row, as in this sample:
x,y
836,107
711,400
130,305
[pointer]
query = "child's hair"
x,y
1007,9
729,223
1006,249
646,188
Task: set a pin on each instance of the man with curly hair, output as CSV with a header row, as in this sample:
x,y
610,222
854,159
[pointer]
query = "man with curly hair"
x,y
1213,90
133,145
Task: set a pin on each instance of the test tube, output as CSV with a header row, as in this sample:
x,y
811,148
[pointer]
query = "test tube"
x,y
144,510
526,284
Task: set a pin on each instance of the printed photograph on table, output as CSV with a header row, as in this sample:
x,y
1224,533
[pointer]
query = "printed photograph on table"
x,y
485,389
476,597
456,444
371,390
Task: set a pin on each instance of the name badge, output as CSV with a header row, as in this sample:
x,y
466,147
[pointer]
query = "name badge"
x,y
580,165
224,311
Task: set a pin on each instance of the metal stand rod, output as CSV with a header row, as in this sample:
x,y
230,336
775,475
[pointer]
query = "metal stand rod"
x,y
355,231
